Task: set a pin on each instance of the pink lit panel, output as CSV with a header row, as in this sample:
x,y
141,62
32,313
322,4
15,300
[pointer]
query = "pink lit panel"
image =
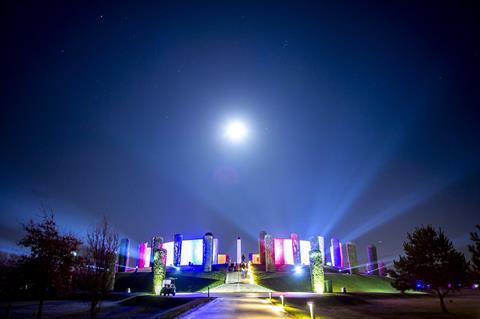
x,y
278,247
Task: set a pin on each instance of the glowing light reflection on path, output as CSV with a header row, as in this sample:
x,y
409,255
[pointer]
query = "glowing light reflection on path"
x,y
238,307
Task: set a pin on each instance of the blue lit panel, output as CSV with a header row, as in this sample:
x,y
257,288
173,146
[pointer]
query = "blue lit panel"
x,y
192,251
215,251
169,247
305,252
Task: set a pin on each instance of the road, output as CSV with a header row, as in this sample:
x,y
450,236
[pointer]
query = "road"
x,y
237,307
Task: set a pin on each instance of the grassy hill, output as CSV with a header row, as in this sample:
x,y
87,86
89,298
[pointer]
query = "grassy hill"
x,y
289,281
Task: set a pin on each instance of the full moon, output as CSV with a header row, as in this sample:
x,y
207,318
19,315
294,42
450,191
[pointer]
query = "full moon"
x,y
236,131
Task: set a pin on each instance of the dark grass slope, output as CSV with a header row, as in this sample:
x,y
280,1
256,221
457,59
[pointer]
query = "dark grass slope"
x,y
186,281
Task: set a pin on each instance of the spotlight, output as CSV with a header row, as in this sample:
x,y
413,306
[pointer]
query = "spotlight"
x,y
298,270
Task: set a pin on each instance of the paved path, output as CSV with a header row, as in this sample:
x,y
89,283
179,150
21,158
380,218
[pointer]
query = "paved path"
x,y
238,307
234,283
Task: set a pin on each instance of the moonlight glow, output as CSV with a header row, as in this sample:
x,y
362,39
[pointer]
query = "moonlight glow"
x,y
236,131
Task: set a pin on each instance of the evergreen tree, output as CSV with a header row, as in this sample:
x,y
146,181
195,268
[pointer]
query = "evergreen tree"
x,y
431,260
475,250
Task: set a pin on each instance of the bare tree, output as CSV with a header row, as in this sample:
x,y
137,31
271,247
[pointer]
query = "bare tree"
x,y
98,273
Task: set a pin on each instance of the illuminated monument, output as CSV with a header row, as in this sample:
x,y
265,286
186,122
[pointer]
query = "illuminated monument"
x,y
179,252
203,253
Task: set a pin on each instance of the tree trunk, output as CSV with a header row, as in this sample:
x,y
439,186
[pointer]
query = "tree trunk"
x,y
442,302
93,309
40,309
9,308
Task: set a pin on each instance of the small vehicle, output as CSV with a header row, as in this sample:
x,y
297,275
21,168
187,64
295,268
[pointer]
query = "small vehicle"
x,y
168,287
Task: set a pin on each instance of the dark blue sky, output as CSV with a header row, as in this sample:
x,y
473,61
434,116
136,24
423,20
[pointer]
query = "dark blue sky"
x,y
364,118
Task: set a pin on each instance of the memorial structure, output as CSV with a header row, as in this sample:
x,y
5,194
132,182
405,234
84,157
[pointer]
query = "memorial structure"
x,y
372,265
352,260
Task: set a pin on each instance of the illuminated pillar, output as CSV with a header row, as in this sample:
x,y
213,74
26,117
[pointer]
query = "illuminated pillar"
x,y
215,251
296,249
123,255
381,268
177,249
278,249
142,249
239,250
372,265
207,252
352,260
321,245
157,243
269,253
317,272
159,269
342,264
335,252
261,247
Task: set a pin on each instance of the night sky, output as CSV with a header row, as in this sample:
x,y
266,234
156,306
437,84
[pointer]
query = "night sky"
x,y
364,119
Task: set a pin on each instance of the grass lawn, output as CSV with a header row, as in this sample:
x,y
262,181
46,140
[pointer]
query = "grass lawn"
x,y
197,281
289,281
386,306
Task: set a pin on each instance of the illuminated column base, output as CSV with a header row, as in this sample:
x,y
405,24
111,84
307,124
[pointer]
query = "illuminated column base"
x,y
269,253
317,272
352,258
159,269
372,266
123,255
296,249
207,252
177,249
261,247
157,243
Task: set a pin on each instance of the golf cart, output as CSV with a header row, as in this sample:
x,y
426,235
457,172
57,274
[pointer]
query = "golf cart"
x,y
168,287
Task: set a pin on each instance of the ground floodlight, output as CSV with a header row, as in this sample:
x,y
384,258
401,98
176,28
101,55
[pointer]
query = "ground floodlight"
x,y
311,308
